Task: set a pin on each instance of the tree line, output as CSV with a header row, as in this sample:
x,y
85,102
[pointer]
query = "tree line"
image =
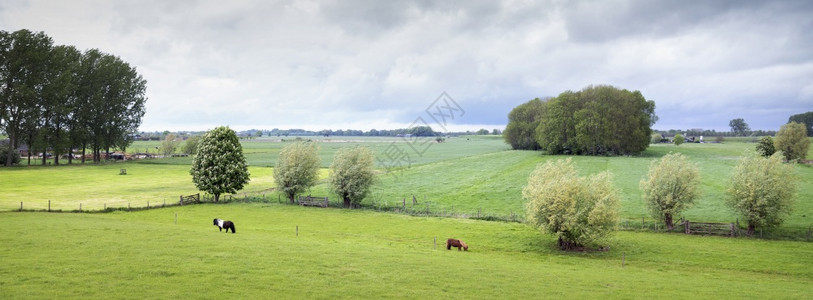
x,y
598,120
55,98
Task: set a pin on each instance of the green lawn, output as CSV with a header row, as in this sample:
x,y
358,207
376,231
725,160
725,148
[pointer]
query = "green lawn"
x,y
363,254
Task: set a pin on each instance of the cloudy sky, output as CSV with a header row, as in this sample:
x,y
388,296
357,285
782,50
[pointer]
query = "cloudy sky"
x,y
380,64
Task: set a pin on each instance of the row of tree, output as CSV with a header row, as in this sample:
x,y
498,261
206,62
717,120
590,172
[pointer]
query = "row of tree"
x,y
598,120
583,211
219,167
55,98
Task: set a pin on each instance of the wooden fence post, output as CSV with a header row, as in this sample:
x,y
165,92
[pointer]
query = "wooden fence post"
x,y
623,258
404,203
297,230
49,205
80,206
21,207
176,218
435,244
180,200
148,204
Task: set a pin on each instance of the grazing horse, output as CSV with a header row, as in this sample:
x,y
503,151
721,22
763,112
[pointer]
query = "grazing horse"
x,y
224,224
456,243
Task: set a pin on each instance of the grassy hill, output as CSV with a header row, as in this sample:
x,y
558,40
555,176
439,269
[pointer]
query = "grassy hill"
x,y
364,254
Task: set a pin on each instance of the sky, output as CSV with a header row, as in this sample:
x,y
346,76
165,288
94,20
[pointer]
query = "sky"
x,y
452,65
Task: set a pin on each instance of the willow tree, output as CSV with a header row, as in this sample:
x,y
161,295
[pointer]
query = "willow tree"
x,y
580,211
792,141
670,186
352,174
219,166
761,190
297,168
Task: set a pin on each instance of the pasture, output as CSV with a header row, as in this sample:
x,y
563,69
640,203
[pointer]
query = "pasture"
x,y
364,254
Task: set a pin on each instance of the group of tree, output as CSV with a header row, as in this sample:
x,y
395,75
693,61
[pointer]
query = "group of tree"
x,y
598,120
583,211
792,141
806,119
219,167
55,98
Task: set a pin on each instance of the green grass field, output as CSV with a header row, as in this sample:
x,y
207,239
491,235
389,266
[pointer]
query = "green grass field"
x,y
364,254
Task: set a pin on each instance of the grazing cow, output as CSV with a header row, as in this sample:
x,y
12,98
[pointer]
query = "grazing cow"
x,y
224,224
456,243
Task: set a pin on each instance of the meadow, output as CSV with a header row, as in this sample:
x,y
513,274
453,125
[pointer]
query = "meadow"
x,y
285,251
288,251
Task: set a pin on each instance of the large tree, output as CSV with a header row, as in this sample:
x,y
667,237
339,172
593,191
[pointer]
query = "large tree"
x,y
580,211
761,190
352,174
739,127
792,141
598,120
297,168
522,122
219,166
670,186
805,118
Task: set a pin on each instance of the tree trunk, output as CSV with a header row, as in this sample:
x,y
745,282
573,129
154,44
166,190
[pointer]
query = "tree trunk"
x,y
217,197
346,201
669,223
751,228
291,197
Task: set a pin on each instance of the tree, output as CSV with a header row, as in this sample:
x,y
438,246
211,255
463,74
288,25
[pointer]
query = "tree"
x,y
522,123
792,141
496,131
352,174
678,139
219,166
805,118
670,186
191,145
4,154
738,126
169,145
580,211
765,147
655,138
761,190
598,120
297,168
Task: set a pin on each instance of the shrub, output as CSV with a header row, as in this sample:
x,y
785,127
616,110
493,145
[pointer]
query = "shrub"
x,y
670,187
765,146
761,190
678,139
580,211
792,141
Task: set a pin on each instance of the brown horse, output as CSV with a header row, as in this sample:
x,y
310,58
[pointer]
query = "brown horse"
x,y
457,244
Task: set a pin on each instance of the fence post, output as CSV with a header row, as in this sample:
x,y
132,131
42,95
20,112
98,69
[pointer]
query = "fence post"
x,y
128,206
623,258
297,230
176,218
49,205
435,244
148,204
21,206
404,203
180,200
80,206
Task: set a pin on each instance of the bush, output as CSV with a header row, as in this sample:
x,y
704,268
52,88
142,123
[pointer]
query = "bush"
x,y
655,138
678,139
15,156
581,211
765,146
761,190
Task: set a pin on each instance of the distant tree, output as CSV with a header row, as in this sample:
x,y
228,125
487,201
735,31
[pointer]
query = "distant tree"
x,y
496,132
482,131
670,187
719,139
792,141
352,174
580,211
598,120
678,139
805,118
765,147
219,166
191,145
739,127
297,168
761,190
416,131
522,123
655,138
169,145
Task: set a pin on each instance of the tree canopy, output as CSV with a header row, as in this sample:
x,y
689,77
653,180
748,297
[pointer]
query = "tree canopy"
x,y
219,166
806,119
522,123
352,174
580,211
739,127
761,190
792,141
297,168
670,186
598,120
56,98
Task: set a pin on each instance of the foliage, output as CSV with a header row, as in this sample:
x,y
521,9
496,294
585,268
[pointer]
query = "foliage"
x,y
761,190
191,145
57,98
581,211
739,127
522,123
15,157
765,146
169,145
297,168
792,141
678,139
352,174
805,118
670,186
655,138
219,165
598,120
